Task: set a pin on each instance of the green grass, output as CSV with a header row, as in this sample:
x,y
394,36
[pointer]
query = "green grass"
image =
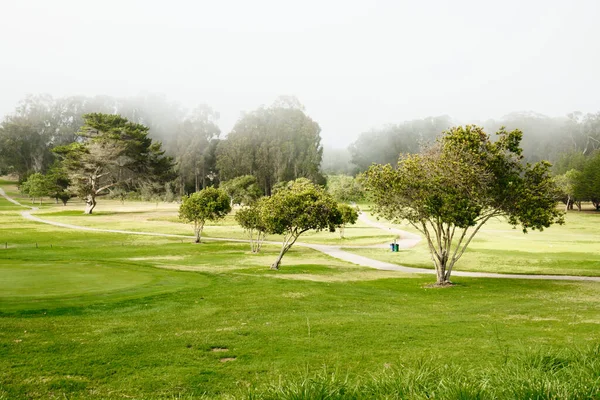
x,y
154,337
570,249
109,316
147,217
571,374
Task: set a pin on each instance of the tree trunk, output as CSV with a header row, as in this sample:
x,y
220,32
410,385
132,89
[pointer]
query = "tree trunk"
x,y
259,240
252,246
90,203
288,242
198,230
442,272
341,227
277,263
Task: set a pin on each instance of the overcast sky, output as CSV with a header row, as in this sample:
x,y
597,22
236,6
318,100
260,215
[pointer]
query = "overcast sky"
x,y
353,64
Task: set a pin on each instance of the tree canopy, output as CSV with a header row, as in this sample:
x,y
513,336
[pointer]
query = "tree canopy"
x,y
242,189
112,152
457,184
297,208
209,204
275,144
586,183
252,219
383,145
345,188
348,215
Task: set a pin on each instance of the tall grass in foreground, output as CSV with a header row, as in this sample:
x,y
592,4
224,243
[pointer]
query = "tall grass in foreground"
x,y
568,374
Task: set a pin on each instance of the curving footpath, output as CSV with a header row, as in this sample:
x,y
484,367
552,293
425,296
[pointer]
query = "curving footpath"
x,y
407,240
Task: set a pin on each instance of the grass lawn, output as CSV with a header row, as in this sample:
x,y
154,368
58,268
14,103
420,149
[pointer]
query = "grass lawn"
x,y
99,315
570,249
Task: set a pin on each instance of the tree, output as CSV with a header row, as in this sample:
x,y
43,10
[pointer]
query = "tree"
x,y
345,188
275,144
35,187
209,204
543,136
23,150
38,124
569,192
57,183
112,152
251,219
300,207
242,190
455,186
384,144
587,183
194,149
336,161
583,133
349,215
570,160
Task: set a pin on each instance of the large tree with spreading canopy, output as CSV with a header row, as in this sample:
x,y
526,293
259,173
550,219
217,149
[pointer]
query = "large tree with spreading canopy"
x,y
111,152
451,189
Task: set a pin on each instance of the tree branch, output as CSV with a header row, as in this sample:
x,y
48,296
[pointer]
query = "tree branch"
x,y
104,188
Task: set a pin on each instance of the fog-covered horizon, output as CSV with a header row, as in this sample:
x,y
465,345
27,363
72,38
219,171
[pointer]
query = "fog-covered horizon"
x,y
354,65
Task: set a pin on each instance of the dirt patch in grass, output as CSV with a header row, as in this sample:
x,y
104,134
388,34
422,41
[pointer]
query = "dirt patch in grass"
x,y
440,285
201,268
227,359
157,258
344,276
294,295
219,349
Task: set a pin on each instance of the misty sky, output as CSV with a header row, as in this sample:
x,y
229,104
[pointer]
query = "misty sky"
x,y
353,64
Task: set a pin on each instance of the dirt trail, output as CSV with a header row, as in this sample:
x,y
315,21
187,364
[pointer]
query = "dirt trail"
x,y
406,241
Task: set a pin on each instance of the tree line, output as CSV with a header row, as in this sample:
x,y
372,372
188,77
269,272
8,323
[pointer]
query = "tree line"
x,y
446,185
110,143
544,138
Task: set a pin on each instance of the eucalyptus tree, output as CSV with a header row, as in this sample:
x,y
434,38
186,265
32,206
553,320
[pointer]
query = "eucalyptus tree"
x,y
274,144
382,145
23,150
193,146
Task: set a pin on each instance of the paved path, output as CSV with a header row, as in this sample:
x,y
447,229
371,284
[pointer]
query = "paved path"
x,y
406,241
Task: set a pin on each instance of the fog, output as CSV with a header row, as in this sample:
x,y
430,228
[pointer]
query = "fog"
x,y
354,65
